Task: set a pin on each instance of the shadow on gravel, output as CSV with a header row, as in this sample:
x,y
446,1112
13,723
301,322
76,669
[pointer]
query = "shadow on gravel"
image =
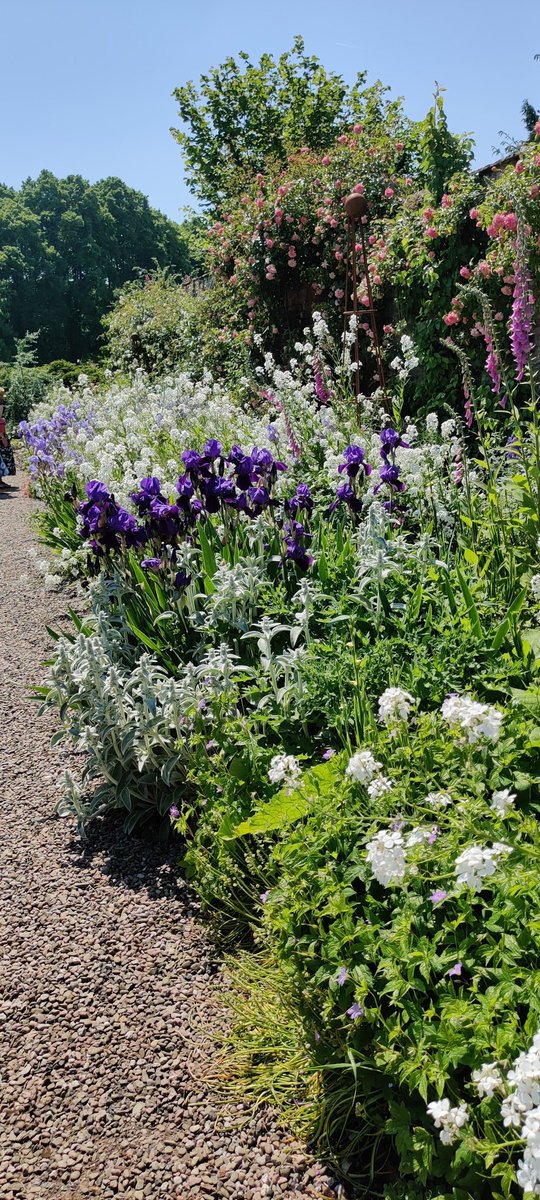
x,y
132,861
9,492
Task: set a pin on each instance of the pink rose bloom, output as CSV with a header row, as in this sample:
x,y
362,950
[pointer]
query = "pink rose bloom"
x,y
359,128
259,202
484,268
289,219
282,191
291,262
325,160
400,146
537,128
339,293
388,328
278,213
431,232
498,317
333,223
428,213
269,242
377,279
473,213
233,279
519,167
510,222
343,139
464,272
371,239
271,271
365,301
506,291
337,184
389,192
339,255
451,318
359,187
446,201
535,190
291,252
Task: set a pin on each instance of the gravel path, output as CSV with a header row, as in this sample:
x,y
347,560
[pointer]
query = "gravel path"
x,y
107,982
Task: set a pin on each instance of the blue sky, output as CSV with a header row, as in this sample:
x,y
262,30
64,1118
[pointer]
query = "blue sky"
x,y
86,87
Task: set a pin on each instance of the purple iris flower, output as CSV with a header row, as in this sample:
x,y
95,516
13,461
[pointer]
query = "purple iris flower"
x,y
192,461
262,458
390,475
354,462
301,500
260,497
151,564
355,1011
182,580
97,492
390,440
211,449
244,469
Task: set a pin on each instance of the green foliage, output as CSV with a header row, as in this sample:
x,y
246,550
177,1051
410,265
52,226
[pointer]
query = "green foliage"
x,y
65,247
153,324
244,116
25,383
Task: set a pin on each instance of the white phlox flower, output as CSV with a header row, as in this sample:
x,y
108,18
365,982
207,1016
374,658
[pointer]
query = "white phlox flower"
x,y
447,1119
386,857
394,705
363,767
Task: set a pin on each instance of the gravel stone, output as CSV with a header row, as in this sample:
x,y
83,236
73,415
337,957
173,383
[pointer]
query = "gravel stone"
x,y
109,988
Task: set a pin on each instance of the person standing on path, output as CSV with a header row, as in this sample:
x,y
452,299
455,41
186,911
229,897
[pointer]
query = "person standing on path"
x,y
7,458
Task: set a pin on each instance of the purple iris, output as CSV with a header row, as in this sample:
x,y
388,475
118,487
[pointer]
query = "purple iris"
x,y
151,564
390,440
354,462
390,474
259,497
182,580
345,494
211,449
149,490
192,461
302,499
97,492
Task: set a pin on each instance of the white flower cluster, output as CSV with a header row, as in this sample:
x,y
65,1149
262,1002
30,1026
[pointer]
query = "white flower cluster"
x,y
534,584
394,705
487,1080
386,857
521,1110
477,863
363,767
449,1120
477,720
502,801
284,768
438,799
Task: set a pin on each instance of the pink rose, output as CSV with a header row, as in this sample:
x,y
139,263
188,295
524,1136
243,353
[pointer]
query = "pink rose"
x,y
431,232
400,146
451,318
473,213
343,139
537,128
389,192
519,167
359,128
325,160
359,187
464,272
339,293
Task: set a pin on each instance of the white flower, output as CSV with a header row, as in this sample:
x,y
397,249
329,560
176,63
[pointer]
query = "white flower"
x,y
449,1120
477,863
417,836
394,705
432,422
363,766
502,801
535,586
477,720
487,1079
379,786
386,857
284,768
448,429
438,799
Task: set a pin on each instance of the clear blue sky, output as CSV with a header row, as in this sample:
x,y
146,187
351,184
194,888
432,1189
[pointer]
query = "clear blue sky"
x,y
85,87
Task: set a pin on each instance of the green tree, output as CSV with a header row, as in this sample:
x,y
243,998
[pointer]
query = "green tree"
x,y
244,116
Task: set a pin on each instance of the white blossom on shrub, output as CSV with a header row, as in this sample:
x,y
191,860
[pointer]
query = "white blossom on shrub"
x,y
502,801
284,768
487,1080
438,799
386,857
449,1120
534,584
394,705
379,786
362,767
477,863
477,720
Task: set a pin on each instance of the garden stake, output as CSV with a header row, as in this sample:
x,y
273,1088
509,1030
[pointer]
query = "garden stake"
x,y
356,209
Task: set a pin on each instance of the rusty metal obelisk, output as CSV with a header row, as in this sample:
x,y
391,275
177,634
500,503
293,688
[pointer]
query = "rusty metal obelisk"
x,y
356,208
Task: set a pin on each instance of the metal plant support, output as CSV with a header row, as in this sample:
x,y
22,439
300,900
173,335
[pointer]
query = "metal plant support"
x,y
356,208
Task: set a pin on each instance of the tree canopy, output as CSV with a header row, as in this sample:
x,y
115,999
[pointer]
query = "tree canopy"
x,y
66,246
243,116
